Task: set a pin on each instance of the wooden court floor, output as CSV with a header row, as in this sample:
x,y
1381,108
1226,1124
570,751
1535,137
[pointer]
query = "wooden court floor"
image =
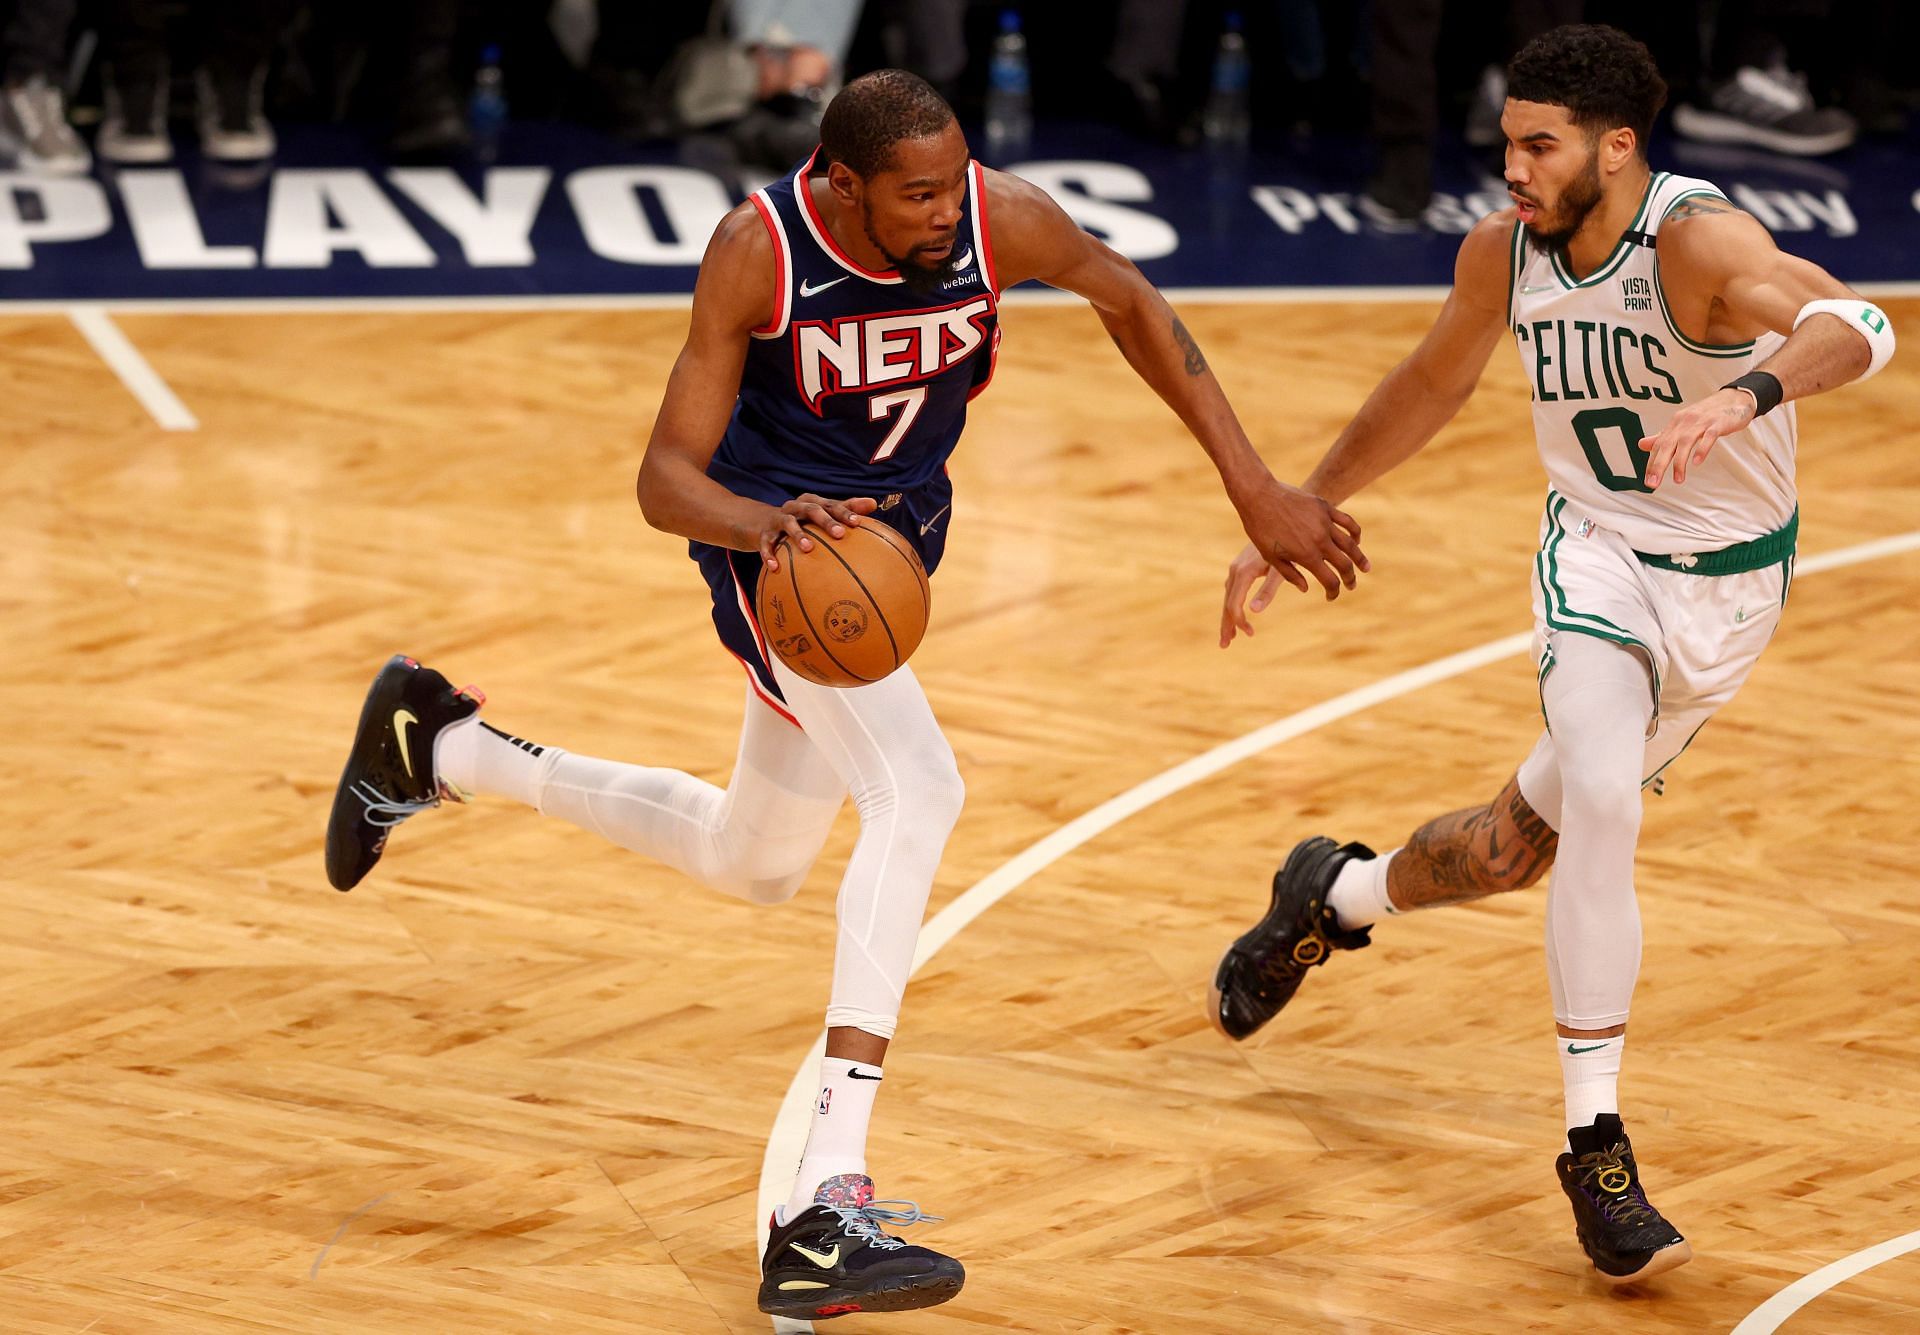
x,y
521,1081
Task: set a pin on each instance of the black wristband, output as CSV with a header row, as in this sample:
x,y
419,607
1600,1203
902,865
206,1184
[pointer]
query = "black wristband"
x,y
1764,387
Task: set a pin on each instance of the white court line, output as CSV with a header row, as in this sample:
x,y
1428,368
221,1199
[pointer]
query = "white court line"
x,y
98,328
646,301
788,1137
1769,1315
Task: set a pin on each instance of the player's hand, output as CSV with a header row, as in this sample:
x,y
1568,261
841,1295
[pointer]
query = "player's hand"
x,y
1686,441
1247,569
836,517
1296,531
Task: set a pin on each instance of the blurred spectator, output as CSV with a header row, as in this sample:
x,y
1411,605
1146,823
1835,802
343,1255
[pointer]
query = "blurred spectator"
x,y
1405,40
1144,61
1526,20
33,107
1751,96
233,39
429,118
758,77
927,37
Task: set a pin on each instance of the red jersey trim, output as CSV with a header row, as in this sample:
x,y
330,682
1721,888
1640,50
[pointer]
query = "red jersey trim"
x,y
753,678
782,271
817,225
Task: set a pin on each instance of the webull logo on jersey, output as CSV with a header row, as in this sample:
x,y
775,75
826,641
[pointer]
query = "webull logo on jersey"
x,y
864,351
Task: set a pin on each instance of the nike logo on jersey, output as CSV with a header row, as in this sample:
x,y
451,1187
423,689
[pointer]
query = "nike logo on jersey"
x,y
868,351
825,1260
809,290
967,259
1537,287
927,528
401,718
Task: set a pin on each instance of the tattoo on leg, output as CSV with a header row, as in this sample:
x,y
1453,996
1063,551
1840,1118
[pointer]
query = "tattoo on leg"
x,y
1196,360
1467,855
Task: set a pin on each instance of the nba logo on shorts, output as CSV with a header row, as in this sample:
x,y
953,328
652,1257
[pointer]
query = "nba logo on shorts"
x,y
826,1100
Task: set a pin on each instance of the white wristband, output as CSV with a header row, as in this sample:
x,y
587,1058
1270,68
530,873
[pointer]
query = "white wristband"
x,y
1864,318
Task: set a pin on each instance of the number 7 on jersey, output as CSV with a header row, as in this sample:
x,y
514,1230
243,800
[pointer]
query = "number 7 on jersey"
x,y
909,401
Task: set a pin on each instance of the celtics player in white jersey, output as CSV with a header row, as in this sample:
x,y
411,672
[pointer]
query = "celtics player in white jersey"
x,y
1665,339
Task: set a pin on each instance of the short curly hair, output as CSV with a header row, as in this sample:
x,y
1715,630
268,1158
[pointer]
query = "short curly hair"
x,y
876,111
1604,78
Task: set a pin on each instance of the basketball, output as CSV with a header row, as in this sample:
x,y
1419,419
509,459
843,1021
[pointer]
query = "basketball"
x,y
848,612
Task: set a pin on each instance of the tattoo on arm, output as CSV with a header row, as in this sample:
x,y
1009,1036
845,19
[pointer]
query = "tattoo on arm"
x,y
1470,854
1690,208
1196,360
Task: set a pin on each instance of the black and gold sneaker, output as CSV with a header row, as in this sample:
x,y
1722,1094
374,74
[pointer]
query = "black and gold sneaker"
x,y
1622,1234
389,773
832,1258
1262,970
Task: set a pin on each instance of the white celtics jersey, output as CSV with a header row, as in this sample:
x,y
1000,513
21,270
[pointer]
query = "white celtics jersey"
x,y
1608,367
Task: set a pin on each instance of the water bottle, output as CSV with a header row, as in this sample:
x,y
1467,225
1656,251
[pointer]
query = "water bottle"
x,y
1226,120
487,109
1009,97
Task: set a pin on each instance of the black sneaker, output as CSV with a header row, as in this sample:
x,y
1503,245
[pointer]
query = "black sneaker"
x,y
1768,107
1262,970
832,1258
389,773
1621,1233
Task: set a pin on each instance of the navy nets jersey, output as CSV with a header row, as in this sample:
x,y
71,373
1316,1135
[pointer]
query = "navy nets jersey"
x,y
856,386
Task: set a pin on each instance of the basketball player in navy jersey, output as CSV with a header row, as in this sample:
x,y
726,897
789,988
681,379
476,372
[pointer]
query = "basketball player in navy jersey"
x,y
842,319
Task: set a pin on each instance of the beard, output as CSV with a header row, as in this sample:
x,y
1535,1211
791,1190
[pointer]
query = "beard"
x,y
920,277
1579,199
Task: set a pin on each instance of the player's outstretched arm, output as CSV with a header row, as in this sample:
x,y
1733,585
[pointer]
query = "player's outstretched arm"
x,y
1407,408
733,296
1034,238
1422,394
1720,261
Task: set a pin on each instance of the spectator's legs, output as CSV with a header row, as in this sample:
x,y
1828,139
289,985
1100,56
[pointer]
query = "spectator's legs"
x,y
1405,110
33,110
36,40
428,121
236,39
136,83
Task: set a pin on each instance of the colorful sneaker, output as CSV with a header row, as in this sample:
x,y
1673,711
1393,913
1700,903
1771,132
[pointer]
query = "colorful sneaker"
x,y
1262,970
389,773
832,1258
1621,1233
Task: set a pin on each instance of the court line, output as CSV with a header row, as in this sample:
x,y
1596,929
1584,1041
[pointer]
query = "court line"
x,y
645,301
787,1138
1769,1315
141,380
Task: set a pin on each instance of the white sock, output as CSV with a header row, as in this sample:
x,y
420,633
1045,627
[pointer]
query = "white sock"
x,y
476,757
1590,1073
837,1140
1359,894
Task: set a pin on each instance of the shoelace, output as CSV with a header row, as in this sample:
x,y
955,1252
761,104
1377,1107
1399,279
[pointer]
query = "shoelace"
x,y
1628,1206
863,1221
383,810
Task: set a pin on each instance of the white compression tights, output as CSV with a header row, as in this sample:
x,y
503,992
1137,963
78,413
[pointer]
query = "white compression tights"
x,y
1584,780
757,838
